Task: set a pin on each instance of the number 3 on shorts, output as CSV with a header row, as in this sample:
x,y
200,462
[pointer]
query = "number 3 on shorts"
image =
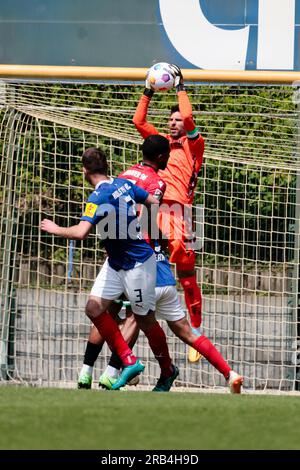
x,y
139,297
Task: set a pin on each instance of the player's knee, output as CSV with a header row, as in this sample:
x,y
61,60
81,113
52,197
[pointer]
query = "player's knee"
x,y
93,308
184,259
181,328
145,322
177,250
131,321
188,266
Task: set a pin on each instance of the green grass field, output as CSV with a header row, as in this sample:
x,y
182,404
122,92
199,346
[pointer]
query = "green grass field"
x,y
36,418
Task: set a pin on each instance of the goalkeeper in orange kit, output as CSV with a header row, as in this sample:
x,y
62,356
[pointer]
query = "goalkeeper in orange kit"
x,y
180,176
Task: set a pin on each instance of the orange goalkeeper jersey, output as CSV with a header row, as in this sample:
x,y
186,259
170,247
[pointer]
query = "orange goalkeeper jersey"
x,y
186,154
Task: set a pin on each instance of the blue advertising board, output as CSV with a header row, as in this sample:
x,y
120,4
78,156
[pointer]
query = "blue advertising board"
x,y
205,34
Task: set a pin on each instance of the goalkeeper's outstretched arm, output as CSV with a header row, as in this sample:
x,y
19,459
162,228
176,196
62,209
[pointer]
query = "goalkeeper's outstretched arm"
x,y
140,115
184,103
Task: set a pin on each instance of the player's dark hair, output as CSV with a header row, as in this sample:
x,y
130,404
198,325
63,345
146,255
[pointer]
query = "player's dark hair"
x,y
175,109
155,145
94,160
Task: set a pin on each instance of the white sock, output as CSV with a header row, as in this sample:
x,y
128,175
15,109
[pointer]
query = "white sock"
x,y
112,372
86,370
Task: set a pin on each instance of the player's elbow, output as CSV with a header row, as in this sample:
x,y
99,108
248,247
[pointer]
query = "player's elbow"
x,y
136,121
188,123
78,236
82,230
151,201
83,236
187,117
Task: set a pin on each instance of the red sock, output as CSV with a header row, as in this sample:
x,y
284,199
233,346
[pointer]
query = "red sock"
x,y
158,343
110,332
207,349
193,299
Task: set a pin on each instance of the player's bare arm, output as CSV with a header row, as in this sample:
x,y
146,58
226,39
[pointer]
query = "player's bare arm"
x,y
152,205
75,232
151,200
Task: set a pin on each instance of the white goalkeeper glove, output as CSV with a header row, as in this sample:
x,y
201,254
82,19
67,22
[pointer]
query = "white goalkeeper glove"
x,y
178,78
148,90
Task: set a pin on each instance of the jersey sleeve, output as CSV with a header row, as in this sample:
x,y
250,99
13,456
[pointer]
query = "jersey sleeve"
x,y
186,111
196,146
90,211
194,138
157,189
140,118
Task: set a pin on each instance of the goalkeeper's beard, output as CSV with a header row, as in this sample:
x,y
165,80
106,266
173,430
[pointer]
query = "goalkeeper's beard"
x,y
176,133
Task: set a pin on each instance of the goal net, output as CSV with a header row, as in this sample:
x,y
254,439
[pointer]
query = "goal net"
x,y
247,263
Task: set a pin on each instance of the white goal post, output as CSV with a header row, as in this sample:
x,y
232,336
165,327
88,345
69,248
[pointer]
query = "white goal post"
x,y
247,266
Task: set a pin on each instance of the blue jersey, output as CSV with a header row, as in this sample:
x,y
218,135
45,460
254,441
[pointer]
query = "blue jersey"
x,y
112,208
164,275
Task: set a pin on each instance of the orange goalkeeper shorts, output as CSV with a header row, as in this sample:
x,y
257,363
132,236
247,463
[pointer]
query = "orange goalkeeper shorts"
x,y
175,222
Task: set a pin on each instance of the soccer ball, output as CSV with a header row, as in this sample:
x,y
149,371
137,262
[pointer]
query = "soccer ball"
x,y
160,77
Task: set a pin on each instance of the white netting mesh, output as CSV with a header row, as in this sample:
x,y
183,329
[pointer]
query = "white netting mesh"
x,y
248,266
